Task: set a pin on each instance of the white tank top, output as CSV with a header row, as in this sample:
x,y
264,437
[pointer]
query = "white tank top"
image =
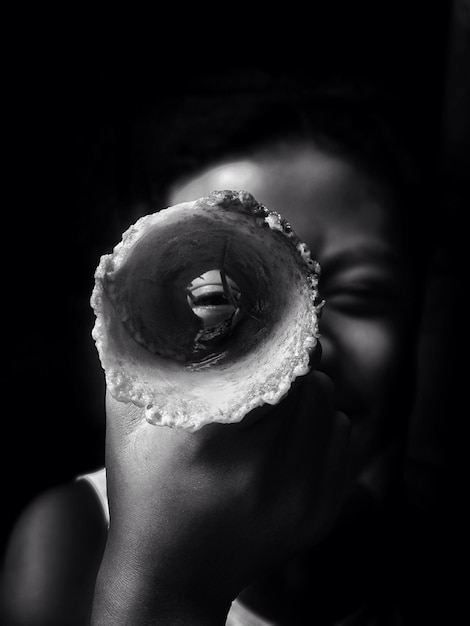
x,y
98,481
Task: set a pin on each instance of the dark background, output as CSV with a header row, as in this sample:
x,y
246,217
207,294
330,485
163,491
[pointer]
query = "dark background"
x,y
75,89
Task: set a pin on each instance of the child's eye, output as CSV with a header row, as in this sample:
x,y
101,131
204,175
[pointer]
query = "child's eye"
x,y
362,301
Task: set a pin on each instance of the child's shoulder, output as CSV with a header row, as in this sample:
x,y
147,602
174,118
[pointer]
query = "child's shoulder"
x,y
62,510
54,547
60,517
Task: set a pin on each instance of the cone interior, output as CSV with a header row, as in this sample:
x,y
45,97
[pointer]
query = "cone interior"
x,y
205,310
202,293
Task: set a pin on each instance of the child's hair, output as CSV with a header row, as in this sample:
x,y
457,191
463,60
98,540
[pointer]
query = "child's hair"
x,y
225,117
222,116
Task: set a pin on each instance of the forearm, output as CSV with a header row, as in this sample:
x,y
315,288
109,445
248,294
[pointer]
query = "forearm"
x,y
125,594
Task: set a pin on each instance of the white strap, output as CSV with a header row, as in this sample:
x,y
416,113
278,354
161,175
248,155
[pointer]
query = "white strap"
x,y
98,481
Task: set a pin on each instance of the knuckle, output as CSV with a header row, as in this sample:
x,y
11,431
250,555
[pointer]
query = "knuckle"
x,y
324,382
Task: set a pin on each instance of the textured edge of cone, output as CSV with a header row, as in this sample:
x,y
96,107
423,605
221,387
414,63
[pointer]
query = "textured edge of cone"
x,y
260,359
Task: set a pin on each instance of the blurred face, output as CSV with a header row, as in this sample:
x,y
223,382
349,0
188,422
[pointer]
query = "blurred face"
x,y
366,282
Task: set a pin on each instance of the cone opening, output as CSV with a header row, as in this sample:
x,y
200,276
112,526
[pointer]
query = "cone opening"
x,y
214,298
200,293
181,272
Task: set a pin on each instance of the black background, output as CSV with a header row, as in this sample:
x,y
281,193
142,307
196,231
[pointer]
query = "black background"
x,y
73,84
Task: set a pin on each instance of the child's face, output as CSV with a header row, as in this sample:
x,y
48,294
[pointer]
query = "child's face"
x,y
366,282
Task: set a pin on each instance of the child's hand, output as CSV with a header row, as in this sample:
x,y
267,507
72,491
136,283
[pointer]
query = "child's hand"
x,y
195,517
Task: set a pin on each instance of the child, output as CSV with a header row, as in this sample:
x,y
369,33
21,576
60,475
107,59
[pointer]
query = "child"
x,y
296,515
